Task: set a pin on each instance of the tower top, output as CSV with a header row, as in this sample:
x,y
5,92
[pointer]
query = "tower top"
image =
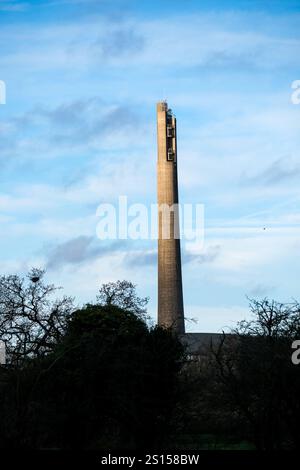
x,y
162,106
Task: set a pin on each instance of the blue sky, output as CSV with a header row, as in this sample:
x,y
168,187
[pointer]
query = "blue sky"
x,y
78,129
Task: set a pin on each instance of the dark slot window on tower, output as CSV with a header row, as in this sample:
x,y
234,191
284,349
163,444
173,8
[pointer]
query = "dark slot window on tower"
x,y
170,131
170,155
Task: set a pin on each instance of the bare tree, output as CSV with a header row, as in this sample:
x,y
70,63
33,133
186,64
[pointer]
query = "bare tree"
x,y
123,294
271,319
256,376
32,319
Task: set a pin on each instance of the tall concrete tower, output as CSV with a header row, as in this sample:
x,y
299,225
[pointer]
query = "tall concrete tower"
x,y
170,298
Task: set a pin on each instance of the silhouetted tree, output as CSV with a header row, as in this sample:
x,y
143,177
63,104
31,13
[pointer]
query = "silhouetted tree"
x,y
32,319
257,377
123,294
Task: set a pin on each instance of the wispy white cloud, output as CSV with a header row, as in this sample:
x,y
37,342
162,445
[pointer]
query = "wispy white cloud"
x,y
13,5
185,41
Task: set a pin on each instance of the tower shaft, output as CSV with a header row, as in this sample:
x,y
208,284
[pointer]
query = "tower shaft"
x,y
170,297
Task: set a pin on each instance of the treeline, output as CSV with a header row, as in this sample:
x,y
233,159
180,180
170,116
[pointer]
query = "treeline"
x,y
103,377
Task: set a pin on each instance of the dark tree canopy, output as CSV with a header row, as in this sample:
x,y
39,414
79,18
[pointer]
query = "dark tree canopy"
x,y
111,382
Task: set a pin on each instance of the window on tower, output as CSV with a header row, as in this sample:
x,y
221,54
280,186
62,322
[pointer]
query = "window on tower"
x,y
170,155
170,131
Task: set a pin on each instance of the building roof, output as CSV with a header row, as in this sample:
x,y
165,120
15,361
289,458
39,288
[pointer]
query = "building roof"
x,y
198,343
